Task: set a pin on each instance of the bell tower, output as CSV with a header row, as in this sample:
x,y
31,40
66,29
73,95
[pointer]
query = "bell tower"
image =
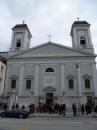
x,y
21,38
81,36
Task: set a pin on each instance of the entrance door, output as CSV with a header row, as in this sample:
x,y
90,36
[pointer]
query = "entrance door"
x,y
49,98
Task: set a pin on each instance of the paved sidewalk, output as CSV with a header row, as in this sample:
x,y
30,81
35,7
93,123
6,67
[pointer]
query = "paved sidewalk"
x,y
68,115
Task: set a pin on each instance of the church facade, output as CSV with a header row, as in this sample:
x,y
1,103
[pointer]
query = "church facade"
x,y
51,72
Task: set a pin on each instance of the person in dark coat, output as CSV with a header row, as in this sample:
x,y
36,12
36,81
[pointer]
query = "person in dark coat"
x,y
74,109
87,108
64,109
17,106
23,108
13,106
5,106
82,109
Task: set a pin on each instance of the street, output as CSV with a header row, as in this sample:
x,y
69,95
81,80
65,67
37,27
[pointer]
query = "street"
x,y
48,124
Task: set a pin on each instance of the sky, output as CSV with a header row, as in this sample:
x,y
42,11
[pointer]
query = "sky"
x,y
45,17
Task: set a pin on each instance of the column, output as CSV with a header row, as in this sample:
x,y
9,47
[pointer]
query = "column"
x,y
3,81
78,80
94,78
62,78
36,80
21,80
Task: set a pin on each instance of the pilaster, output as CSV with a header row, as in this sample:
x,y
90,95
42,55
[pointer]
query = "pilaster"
x,y
36,79
62,78
94,78
21,80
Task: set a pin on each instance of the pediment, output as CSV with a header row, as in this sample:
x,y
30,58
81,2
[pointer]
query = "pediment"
x,y
49,50
86,76
70,76
13,77
29,77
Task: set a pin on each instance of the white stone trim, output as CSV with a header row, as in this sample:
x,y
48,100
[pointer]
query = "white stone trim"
x,y
50,62
51,55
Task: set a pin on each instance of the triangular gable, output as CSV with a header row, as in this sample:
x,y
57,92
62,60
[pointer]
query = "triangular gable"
x,y
49,50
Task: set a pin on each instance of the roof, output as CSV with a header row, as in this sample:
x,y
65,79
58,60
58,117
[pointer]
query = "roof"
x,y
79,23
20,26
17,26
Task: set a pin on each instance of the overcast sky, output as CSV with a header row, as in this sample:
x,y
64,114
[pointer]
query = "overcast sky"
x,y
45,17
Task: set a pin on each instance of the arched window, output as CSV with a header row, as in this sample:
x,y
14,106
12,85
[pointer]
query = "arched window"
x,y
18,45
82,41
49,70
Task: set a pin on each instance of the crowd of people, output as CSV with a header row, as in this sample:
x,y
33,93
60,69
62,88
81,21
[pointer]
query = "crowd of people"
x,y
51,108
84,109
22,108
61,109
56,108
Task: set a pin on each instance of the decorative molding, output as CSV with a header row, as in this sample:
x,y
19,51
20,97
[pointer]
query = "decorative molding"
x,y
50,55
49,81
49,88
13,77
70,76
10,92
86,76
23,96
54,62
88,92
29,77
